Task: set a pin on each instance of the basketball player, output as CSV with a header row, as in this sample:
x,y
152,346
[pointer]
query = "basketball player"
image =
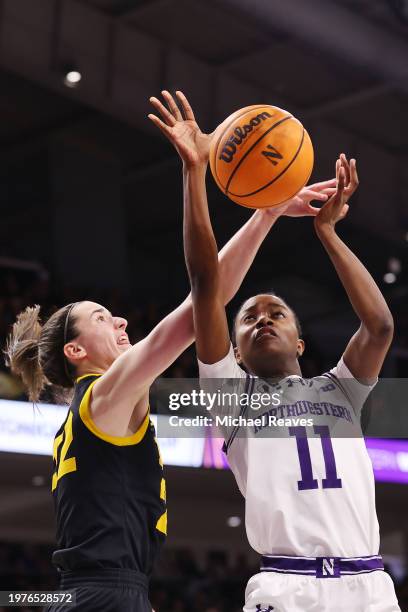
x,y
310,505
108,484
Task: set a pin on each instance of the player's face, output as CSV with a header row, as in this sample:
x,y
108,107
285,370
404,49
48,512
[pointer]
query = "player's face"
x,y
101,335
266,334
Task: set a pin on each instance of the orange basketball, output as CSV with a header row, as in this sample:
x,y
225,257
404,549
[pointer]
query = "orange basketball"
x,y
261,156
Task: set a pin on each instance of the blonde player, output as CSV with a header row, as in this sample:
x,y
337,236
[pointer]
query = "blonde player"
x,y
310,505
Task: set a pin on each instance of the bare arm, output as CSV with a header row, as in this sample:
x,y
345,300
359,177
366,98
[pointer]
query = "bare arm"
x,y
366,351
200,249
125,385
126,382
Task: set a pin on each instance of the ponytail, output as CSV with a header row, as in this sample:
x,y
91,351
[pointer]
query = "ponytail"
x,y
35,352
22,351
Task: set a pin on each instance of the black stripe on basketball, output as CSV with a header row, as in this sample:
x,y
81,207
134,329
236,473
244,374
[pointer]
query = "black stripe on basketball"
x,y
245,195
226,129
251,148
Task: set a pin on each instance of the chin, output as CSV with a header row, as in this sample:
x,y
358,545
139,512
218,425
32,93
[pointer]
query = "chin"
x,y
268,347
124,347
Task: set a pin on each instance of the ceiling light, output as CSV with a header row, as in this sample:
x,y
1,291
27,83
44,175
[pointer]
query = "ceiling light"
x,y
233,521
389,278
72,78
394,265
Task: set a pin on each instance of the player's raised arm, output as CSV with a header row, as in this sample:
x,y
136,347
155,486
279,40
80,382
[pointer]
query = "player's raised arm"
x,y
127,380
201,252
367,349
215,282
200,249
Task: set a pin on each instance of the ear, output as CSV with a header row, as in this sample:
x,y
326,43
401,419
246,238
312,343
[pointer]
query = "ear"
x,y
300,348
74,351
237,355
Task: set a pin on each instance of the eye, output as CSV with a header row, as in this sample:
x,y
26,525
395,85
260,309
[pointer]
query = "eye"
x,y
249,317
101,317
279,314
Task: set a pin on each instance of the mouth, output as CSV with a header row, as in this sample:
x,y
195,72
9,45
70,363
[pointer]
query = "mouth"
x,y
123,340
265,332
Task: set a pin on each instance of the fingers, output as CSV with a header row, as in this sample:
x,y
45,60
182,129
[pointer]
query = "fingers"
x,y
188,111
172,114
351,188
160,124
329,191
311,194
344,211
337,199
351,178
167,116
346,166
313,211
353,170
341,180
172,105
322,185
338,166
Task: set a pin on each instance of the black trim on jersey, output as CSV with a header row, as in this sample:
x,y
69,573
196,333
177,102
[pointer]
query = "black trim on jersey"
x,y
249,384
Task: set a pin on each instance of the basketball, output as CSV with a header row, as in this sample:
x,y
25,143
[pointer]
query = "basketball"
x,y
261,156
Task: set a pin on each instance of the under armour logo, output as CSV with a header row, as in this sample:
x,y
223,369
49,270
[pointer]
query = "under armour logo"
x,y
259,608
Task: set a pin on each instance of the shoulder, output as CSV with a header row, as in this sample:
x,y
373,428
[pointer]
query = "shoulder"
x,y
356,391
227,367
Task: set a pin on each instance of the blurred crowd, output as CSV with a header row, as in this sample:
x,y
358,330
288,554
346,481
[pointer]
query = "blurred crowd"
x,y
180,583
19,289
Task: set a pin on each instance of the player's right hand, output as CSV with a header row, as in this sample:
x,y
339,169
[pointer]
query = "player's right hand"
x,y
300,204
191,143
336,208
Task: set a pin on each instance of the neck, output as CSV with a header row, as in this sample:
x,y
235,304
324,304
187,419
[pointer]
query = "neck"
x,y
88,368
277,370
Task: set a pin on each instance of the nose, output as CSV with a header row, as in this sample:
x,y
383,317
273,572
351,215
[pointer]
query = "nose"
x,y
263,321
120,323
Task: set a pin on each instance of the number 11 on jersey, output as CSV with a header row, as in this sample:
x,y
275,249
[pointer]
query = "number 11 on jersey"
x,y
332,481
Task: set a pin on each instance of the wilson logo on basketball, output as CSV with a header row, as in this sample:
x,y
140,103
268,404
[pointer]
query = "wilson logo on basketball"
x,y
240,133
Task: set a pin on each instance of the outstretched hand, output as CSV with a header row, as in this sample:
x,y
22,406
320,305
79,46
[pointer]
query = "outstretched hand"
x,y
183,132
300,206
336,208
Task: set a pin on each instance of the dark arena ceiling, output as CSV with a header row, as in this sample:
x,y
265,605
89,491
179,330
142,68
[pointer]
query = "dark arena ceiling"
x,y
341,66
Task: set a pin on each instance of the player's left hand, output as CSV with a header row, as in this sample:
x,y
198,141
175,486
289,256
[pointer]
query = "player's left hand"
x,y
300,206
336,208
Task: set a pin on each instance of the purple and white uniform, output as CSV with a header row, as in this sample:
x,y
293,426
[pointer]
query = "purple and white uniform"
x,y
309,495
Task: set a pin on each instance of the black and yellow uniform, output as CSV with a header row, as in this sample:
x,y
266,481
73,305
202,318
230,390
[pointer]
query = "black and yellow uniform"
x,y
109,495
